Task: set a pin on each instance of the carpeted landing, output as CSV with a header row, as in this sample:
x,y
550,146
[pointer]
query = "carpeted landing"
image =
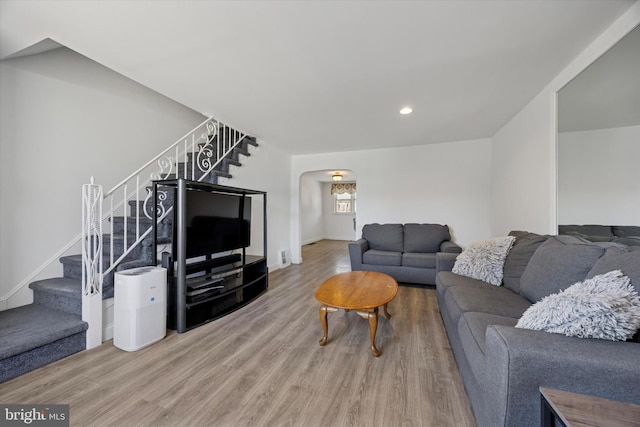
x,y
35,335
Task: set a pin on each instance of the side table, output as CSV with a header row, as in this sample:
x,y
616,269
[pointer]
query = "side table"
x,y
562,408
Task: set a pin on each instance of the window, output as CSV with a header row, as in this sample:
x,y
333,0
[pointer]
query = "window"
x,y
344,203
344,197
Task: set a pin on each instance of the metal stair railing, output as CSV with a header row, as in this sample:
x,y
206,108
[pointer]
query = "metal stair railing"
x,y
199,151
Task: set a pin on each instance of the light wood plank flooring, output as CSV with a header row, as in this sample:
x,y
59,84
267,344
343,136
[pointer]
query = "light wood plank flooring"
x,y
262,366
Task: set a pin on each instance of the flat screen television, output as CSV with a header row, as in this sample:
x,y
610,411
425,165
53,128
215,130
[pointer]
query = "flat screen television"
x,y
215,222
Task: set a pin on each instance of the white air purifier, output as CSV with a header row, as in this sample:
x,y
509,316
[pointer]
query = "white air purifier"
x,y
139,307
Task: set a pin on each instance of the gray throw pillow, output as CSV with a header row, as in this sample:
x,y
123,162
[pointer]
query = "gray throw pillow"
x,y
557,264
484,259
604,307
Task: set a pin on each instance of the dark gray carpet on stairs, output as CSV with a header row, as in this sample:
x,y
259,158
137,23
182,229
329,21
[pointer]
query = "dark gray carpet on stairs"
x,y
60,293
34,335
51,328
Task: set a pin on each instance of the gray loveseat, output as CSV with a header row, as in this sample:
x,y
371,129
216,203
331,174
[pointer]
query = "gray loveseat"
x,y
502,367
405,252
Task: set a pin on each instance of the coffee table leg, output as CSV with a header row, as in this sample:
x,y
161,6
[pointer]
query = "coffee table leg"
x,y
373,326
323,322
386,313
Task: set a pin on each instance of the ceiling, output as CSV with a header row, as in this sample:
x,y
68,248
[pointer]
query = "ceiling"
x,y
328,76
327,175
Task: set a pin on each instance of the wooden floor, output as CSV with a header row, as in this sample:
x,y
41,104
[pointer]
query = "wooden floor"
x,y
262,366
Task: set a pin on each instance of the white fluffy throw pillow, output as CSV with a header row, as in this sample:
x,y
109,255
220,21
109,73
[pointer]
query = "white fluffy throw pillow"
x,y
605,307
484,259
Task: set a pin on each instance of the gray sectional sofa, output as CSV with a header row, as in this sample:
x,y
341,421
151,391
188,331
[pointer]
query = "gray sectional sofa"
x,y
405,252
501,366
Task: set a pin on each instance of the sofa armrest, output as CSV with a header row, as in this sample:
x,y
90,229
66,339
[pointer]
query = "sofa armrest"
x,y
445,261
356,249
450,247
519,361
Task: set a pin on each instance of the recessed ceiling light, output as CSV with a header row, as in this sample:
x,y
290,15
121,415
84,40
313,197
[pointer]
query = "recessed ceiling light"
x,y
406,110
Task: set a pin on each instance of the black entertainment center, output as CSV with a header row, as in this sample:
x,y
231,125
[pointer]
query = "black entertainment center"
x,y
209,272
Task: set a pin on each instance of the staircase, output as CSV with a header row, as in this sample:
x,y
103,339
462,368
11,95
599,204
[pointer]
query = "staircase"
x,y
52,328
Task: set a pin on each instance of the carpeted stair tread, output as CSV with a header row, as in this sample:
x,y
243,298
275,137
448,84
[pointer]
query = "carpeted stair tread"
x,y
242,151
72,267
34,325
221,174
60,293
251,140
59,285
230,162
132,264
163,240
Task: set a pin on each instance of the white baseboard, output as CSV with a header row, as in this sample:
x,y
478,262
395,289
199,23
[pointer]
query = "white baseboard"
x,y
275,267
350,238
312,240
107,319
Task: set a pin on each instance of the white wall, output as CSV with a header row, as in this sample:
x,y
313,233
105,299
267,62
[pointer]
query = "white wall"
x,y
311,210
268,169
523,172
65,118
524,151
599,176
445,183
336,226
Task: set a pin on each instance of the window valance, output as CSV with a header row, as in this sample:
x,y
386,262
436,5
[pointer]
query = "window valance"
x,y
343,187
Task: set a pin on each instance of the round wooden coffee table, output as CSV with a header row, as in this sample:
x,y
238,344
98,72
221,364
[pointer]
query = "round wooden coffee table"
x,y
362,291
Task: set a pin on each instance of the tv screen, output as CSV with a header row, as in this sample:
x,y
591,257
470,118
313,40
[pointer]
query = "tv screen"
x,y
216,222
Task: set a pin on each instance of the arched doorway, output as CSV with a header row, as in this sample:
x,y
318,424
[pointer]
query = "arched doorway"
x,y
327,214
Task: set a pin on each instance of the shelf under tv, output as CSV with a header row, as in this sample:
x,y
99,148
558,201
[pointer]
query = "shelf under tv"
x,y
204,288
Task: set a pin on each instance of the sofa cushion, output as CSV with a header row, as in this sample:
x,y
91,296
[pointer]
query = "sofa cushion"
x,y
626,230
628,241
484,259
449,247
384,237
425,238
557,264
587,230
373,256
625,259
518,257
446,280
603,307
495,300
472,328
420,260
591,238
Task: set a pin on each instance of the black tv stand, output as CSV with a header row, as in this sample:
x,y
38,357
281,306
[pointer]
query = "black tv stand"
x,y
208,287
224,260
